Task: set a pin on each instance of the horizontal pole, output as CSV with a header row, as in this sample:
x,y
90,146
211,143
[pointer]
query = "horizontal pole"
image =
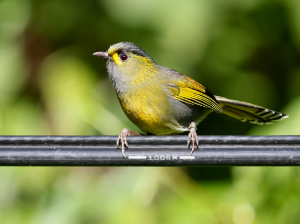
x,y
149,151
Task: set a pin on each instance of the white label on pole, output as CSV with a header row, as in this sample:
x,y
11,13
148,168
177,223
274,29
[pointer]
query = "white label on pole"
x,y
187,157
137,157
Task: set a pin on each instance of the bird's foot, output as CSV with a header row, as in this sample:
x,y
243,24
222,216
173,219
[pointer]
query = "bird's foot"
x,y
123,139
192,136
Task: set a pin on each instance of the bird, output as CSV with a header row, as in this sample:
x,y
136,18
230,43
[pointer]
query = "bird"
x,y
162,101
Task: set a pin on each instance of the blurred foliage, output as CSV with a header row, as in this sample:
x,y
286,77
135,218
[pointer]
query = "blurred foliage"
x,y
50,84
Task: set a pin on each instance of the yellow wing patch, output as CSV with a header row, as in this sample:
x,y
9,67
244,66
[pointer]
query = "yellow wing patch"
x,y
192,96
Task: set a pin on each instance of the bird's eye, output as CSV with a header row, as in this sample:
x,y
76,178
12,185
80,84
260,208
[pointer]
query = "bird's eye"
x,y
123,57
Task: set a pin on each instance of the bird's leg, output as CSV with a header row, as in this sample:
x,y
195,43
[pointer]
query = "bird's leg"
x,y
122,137
192,135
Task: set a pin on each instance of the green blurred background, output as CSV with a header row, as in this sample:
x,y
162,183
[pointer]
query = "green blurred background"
x,y
50,84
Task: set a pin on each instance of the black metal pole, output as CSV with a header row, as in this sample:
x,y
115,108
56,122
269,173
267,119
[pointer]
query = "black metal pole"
x,y
149,151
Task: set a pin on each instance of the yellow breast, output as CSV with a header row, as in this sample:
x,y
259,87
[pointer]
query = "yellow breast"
x,y
147,107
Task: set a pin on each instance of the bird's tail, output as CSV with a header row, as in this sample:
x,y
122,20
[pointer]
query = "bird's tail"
x,y
249,112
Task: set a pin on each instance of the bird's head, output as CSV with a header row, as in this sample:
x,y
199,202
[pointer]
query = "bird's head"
x,y
125,56
127,62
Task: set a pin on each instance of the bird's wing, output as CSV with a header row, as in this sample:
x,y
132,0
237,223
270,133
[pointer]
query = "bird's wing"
x,y
187,90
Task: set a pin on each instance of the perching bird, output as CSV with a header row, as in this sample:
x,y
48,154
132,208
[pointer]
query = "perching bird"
x,y
162,101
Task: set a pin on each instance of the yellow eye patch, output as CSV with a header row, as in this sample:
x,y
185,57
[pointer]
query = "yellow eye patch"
x,y
117,59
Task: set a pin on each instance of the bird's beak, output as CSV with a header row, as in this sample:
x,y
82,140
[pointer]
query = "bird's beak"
x,y
102,55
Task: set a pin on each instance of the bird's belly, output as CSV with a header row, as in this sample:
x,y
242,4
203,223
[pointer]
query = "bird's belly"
x,y
149,112
159,114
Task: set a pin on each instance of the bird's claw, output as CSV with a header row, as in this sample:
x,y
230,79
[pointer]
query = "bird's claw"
x,y
192,136
122,138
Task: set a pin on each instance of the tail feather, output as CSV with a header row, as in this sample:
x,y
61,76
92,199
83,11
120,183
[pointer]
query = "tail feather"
x,y
249,112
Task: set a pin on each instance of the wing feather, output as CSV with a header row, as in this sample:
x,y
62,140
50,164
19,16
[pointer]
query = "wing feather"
x,y
192,96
